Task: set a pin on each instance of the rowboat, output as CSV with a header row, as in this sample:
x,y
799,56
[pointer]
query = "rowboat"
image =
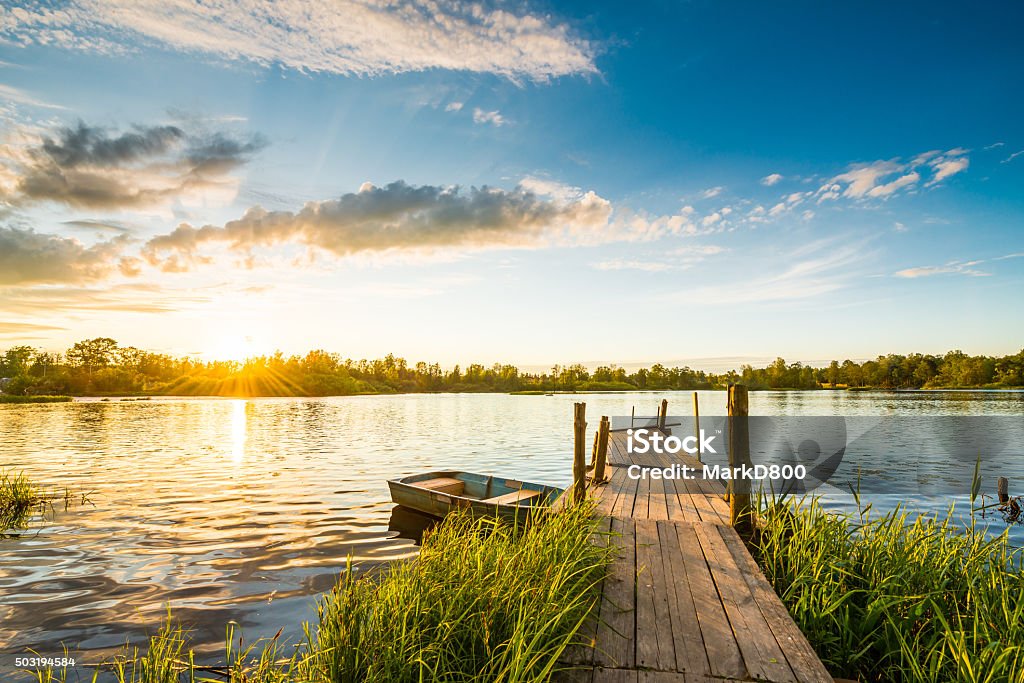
x,y
438,493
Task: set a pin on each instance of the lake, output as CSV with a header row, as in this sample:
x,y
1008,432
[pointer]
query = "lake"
x,y
245,510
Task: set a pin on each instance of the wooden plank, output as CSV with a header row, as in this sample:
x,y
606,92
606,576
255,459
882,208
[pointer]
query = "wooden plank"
x,y
658,500
442,484
641,504
514,497
799,653
574,675
654,644
602,675
689,645
723,652
761,653
624,503
616,630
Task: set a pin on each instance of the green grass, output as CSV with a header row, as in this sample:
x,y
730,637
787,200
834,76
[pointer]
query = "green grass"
x,y
484,601
14,398
898,597
20,498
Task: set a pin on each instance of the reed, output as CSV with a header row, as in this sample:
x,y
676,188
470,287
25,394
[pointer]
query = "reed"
x,y
19,497
898,597
485,600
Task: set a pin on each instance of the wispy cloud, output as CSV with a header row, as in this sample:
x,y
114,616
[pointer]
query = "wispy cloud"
x,y
955,267
12,94
453,106
349,37
680,258
492,117
712,192
771,179
1012,157
818,268
951,268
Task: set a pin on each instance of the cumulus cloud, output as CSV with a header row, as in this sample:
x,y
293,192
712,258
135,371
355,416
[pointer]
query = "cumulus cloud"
x,y
771,179
396,216
351,37
454,106
29,257
428,218
90,167
492,117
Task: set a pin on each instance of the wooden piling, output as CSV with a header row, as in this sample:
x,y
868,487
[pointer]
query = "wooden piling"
x,y
663,414
579,463
601,458
1003,489
740,512
696,422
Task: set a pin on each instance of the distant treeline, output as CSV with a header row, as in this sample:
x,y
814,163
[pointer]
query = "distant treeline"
x,y
102,366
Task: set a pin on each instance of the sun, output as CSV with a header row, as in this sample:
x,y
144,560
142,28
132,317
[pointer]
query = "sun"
x,y
233,347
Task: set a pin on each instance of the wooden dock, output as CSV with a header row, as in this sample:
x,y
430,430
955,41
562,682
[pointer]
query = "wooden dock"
x,y
684,600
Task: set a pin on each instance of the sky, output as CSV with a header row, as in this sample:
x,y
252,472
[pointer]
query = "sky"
x,y
522,182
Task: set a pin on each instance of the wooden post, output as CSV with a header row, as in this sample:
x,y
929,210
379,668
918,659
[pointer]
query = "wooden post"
x,y
602,449
696,422
593,451
663,414
740,513
579,458
1003,489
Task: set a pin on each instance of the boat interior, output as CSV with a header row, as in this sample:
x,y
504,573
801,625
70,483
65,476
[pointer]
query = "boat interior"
x,y
484,488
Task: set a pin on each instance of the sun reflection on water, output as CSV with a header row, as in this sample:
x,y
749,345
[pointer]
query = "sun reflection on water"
x,y
238,431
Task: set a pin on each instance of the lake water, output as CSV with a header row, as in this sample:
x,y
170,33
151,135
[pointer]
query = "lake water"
x,y
245,510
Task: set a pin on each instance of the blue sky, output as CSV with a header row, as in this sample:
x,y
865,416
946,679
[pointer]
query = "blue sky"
x,y
532,183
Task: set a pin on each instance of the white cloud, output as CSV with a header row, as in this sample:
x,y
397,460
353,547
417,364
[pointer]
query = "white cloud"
x,y
889,188
826,267
886,178
899,227
944,168
712,192
633,264
453,106
771,179
1012,157
18,96
349,37
994,145
492,117
680,258
951,268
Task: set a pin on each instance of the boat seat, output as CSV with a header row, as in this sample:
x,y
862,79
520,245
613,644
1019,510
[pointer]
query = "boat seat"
x,y
514,497
443,485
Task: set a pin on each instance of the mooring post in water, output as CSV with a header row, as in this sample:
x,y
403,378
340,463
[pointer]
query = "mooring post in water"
x,y
1003,489
663,414
579,463
602,449
740,513
696,421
